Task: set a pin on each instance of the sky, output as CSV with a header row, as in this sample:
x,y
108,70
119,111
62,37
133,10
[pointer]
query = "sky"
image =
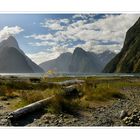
x,y
45,36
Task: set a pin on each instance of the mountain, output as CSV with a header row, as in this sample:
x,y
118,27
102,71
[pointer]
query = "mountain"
x,y
84,62
13,59
80,61
106,56
60,64
128,60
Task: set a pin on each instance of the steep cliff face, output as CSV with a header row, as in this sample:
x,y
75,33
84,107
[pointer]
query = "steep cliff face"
x,y
13,59
128,60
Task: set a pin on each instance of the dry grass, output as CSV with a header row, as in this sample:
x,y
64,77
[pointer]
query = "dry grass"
x,y
99,90
60,104
36,95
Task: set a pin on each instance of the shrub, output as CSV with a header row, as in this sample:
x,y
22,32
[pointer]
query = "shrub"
x,y
62,105
102,92
3,90
31,96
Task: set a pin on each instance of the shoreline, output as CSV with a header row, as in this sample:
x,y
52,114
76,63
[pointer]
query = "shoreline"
x,y
100,110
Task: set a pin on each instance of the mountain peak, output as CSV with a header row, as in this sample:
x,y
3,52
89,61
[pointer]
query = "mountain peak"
x,y
11,38
10,42
65,54
79,50
13,59
80,61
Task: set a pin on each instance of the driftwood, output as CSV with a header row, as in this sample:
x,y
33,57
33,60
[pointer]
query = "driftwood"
x,y
69,82
30,108
72,91
69,92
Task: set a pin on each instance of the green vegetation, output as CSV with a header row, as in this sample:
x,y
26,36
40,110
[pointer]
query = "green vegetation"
x,y
101,92
36,95
60,104
95,90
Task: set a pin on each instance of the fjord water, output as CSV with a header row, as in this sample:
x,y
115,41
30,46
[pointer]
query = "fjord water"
x,y
71,75
22,74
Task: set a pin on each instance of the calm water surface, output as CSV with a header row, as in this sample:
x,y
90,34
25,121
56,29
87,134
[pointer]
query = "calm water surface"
x,y
70,74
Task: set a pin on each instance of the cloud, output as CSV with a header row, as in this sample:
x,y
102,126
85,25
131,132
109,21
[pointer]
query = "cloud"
x,y
43,43
49,53
41,36
64,20
99,48
42,56
55,24
6,31
84,16
97,35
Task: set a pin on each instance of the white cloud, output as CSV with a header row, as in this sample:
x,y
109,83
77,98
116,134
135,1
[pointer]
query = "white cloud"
x,y
6,31
84,16
43,56
55,24
43,43
97,35
47,55
109,28
64,20
99,48
41,36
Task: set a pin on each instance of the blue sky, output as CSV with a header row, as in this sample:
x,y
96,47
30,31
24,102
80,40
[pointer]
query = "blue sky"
x,y
45,36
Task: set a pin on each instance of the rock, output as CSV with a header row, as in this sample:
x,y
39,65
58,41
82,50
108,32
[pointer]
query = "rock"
x,y
135,111
4,121
123,114
80,94
7,103
46,121
131,124
60,121
1,106
126,119
61,115
65,117
4,98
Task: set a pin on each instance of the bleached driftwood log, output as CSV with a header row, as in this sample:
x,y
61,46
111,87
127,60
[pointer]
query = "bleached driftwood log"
x,y
30,108
72,91
69,91
69,82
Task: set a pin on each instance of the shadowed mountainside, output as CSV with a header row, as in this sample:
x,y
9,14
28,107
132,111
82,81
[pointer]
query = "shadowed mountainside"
x,y
128,60
13,59
80,61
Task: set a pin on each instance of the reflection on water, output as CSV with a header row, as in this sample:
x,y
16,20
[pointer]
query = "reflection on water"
x,y
69,74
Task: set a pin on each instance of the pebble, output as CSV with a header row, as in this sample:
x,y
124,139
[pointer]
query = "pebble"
x,y
7,103
1,106
3,120
123,114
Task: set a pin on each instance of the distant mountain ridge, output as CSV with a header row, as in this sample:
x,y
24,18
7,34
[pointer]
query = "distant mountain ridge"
x,y
13,59
84,62
128,60
80,61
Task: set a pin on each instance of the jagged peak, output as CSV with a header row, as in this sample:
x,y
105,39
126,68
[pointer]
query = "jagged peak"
x,y
10,42
78,49
66,54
